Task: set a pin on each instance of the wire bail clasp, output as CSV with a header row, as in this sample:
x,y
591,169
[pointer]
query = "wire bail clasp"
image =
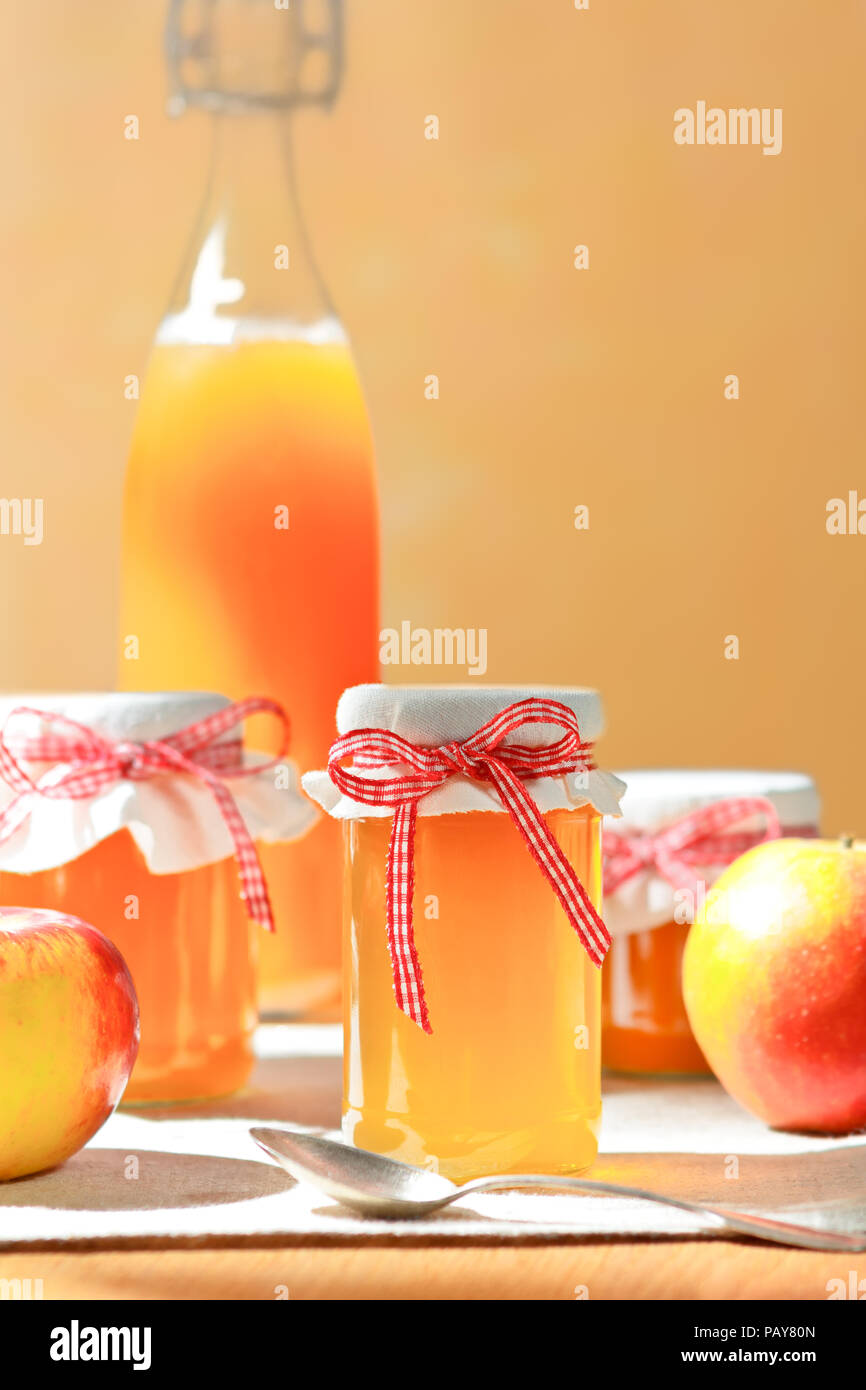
x,y
246,54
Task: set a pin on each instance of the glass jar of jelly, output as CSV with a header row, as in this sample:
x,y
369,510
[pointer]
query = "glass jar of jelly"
x,y
148,859
507,1079
678,831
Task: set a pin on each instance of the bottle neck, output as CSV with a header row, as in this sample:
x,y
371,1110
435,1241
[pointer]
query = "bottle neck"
x,y
250,270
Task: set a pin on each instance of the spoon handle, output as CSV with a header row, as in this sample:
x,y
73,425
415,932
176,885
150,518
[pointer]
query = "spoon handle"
x,y
764,1227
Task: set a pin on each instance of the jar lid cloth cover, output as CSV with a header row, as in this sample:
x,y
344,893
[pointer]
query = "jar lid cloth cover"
x,y
680,827
444,749
99,764
438,715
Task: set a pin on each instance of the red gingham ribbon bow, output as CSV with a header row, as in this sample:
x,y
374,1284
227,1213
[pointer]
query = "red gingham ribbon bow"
x,y
90,762
483,758
696,840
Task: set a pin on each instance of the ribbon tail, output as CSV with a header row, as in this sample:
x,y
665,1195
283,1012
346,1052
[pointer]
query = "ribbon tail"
x,y
576,902
254,889
14,815
405,966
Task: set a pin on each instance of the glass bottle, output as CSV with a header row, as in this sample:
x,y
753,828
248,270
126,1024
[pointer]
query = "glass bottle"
x,y
250,492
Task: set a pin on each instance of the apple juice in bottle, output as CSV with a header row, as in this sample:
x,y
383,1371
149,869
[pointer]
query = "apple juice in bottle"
x,y
250,491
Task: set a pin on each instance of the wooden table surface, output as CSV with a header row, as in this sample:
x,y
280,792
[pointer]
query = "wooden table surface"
x,y
652,1269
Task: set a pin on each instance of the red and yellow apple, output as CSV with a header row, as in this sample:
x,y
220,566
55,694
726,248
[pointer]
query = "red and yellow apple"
x,y
68,1036
774,981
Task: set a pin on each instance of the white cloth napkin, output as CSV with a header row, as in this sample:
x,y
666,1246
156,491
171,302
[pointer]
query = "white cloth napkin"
x,y
170,1175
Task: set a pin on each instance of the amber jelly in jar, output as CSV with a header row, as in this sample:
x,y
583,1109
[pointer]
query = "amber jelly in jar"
x,y
150,862
508,1077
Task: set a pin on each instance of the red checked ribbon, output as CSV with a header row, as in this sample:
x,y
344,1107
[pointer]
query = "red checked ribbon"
x,y
86,763
697,840
483,758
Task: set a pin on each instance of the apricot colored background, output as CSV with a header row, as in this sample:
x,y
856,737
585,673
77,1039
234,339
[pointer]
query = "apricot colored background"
x,y
558,387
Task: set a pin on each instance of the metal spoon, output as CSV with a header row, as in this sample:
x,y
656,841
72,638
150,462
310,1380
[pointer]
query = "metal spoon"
x,y
377,1186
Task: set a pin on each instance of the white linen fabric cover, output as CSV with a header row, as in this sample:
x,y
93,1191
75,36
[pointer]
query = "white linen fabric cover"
x,y
174,819
431,715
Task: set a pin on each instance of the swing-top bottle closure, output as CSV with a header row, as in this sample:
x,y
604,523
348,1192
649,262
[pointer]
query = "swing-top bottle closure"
x,y
237,55
250,271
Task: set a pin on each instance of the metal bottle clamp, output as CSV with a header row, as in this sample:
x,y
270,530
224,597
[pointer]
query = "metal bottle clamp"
x,y
197,61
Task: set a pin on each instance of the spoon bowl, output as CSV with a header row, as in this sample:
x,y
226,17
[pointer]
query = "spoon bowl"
x,y
365,1182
